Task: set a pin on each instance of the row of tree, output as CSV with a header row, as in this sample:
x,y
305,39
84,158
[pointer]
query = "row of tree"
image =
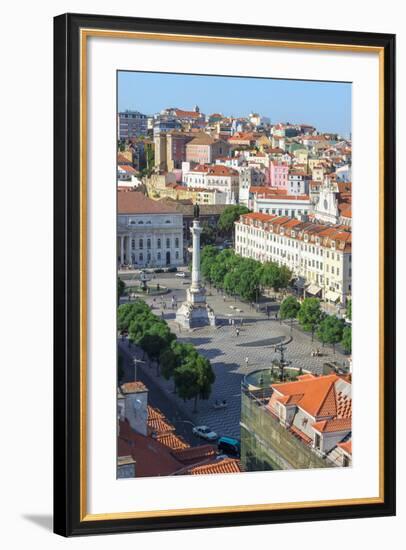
x,y
192,373
329,329
240,276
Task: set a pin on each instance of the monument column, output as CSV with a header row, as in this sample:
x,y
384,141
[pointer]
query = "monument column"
x,y
196,231
195,312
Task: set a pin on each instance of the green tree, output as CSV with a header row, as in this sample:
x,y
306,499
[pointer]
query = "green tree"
x,y
128,312
229,216
208,256
208,235
330,330
273,276
157,338
222,264
289,309
248,285
346,341
186,379
310,314
194,378
120,289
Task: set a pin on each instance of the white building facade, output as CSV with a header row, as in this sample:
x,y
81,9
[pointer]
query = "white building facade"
x,y
149,233
317,254
221,178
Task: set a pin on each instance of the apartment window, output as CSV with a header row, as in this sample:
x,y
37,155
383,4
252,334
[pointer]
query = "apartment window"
x,y
159,243
132,244
141,257
141,243
158,256
168,243
149,244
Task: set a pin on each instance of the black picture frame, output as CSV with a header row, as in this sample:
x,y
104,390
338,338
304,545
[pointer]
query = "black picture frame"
x,y
67,357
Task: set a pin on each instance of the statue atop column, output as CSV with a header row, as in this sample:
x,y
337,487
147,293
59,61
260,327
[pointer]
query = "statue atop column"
x,y
195,312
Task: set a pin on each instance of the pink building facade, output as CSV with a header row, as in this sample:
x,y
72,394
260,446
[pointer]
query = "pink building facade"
x,y
279,175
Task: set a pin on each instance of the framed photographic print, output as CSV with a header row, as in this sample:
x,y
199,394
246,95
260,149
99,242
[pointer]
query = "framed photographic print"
x,y
224,274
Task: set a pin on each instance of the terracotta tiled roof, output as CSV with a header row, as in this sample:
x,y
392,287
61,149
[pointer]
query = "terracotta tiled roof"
x,y
137,203
226,466
133,387
317,394
159,426
172,441
336,425
346,446
187,114
194,454
122,159
127,168
201,139
152,458
219,170
154,413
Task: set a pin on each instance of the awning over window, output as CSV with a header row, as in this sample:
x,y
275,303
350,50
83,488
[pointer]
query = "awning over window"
x,y
313,290
332,296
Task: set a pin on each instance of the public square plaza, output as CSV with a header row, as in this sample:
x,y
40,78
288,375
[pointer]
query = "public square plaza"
x,y
232,355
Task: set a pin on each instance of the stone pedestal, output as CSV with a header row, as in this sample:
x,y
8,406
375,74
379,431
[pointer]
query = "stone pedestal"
x,y
195,312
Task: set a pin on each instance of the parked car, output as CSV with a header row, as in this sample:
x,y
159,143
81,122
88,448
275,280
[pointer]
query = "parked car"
x,y
229,446
205,433
180,274
172,270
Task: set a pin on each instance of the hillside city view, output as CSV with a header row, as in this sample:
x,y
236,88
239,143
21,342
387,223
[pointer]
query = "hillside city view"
x,y
234,276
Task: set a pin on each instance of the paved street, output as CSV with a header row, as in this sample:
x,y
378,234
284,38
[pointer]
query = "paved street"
x,y
228,352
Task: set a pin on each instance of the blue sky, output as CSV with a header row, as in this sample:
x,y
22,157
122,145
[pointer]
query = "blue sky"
x,y
326,105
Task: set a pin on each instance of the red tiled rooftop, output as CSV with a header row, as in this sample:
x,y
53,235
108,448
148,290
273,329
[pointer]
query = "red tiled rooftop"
x,y
335,425
314,395
346,446
193,454
133,387
172,441
226,466
135,202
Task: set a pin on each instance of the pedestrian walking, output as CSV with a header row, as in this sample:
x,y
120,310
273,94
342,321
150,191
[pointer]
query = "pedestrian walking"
x,y
246,361
237,331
